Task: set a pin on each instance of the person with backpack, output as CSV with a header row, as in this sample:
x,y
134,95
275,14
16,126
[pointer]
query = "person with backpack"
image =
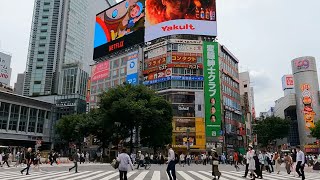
x,y
75,158
124,160
172,160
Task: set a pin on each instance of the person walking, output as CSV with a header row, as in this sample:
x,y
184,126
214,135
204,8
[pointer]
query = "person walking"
x,y
236,160
188,159
28,157
288,162
300,163
182,156
247,162
251,160
258,171
204,159
124,160
278,162
87,157
294,161
140,159
5,159
171,168
215,164
269,159
75,158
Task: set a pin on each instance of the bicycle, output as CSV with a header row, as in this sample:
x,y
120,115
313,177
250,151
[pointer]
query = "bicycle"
x,y
146,165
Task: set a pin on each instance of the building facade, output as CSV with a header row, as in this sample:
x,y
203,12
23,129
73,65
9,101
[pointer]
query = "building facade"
x,y
18,85
5,68
61,34
24,120
307,96
247,105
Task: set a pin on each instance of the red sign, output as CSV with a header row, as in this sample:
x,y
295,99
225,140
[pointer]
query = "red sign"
x,y
100,71
117,45
185,59
155,62
289,81
302,64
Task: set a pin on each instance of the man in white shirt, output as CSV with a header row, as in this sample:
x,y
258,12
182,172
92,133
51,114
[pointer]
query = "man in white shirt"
x,y
141,159
300,163
182,156
171,163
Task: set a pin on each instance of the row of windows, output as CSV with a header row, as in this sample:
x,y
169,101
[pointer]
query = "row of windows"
x,y
230,92
233,116
230,81
230,70
231,103
187,71
229,60
177,85
101,87
36,118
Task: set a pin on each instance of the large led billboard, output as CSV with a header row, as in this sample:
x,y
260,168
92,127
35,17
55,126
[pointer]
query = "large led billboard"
x,y
170,17
119,27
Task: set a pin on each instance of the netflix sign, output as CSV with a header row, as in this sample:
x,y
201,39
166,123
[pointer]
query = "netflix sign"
x,y
119,44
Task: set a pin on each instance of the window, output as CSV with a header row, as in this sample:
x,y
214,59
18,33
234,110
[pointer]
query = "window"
x,y
37,82
4,114
14,117
45,10
39,67
40,123
44,24
40,59
42,45
45,17
43,37
46,3
32,120
40,52
43,30
245,86
23,118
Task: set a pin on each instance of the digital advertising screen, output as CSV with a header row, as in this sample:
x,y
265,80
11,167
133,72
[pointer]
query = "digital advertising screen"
x,y
170,17
119,27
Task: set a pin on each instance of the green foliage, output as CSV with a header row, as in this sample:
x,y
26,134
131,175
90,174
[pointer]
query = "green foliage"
x,y
315,132
270,129
72,128
122,110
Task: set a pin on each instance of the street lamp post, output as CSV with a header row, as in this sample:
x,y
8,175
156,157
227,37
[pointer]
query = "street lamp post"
x,y
188,140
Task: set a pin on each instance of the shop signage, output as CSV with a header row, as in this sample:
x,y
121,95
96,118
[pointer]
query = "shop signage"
x,y
155,62
302,64
181,78
157,52
185,59
165,66
155,46
183,108
189,48
185,41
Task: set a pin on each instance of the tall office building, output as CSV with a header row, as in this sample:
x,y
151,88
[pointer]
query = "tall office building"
x,y
61,34
18,85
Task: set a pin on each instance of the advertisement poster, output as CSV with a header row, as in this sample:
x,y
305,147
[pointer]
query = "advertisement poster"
x,y
307,101
212,96
100,71
169,17
132,68
119,27
5,70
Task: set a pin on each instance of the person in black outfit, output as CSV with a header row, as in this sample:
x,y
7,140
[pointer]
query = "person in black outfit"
x,y
5,159
75,158
258,165
53,158
29,157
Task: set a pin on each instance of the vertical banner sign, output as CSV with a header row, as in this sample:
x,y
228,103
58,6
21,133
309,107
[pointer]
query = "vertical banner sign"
x,y
212,89
132,68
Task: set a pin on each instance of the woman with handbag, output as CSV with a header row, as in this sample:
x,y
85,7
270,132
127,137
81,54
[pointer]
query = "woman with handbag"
x,y
215,164
124,161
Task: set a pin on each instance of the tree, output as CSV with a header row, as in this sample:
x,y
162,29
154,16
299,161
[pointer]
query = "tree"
x,y
315,132
128,108
270,129
72,128
156,131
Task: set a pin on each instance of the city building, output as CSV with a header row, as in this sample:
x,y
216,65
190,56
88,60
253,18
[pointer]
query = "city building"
x,y
24,121
306,87
61,34
182,66
18,85
247,104
5,68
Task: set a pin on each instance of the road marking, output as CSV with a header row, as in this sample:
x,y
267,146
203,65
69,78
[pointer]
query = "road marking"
x,y
199,175
185,175
141,175
156,175
99,175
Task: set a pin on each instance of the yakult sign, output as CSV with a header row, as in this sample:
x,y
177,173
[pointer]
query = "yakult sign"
x,y
212,88
170,17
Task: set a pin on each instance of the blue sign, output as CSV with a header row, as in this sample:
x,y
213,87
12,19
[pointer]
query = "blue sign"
x,y
132,79
179,78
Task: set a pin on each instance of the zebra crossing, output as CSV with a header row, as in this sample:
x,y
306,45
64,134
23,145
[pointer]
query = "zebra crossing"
x,y
142,175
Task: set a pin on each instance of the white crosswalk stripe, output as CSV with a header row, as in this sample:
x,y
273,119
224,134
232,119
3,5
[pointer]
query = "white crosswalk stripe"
x,y
143,175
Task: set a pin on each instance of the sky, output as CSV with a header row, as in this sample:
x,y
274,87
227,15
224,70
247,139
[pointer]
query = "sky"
x,y
265,35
